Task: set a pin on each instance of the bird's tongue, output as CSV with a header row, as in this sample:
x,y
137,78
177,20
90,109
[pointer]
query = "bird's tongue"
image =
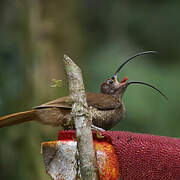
x,y
124,80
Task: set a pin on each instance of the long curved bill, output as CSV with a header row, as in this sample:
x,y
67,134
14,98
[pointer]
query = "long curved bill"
x,y
129,59
136,82
146,84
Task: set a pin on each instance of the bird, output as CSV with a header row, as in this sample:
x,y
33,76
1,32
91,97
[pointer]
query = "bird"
x,y
106,107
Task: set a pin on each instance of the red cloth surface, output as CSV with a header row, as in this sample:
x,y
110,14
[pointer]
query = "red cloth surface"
x,y
142,156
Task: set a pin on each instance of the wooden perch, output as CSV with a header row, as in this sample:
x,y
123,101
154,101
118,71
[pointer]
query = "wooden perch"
x,y
82,120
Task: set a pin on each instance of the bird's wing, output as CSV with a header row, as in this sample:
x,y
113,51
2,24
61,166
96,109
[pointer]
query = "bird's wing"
x,y
97,100
102,101
63,102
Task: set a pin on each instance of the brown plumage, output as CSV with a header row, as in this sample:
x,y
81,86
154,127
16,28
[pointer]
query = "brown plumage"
x,y
57,112
17,118
106,107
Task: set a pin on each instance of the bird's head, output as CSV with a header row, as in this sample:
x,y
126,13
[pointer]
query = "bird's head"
x,y
112,87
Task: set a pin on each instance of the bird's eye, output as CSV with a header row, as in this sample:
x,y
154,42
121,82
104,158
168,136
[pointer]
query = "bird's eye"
x,y
110,81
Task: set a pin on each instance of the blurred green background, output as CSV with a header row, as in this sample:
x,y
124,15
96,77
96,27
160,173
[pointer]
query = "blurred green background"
x,y
98,36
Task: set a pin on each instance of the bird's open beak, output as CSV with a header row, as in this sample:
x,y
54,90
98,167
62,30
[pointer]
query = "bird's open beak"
x,y
134,82
115,79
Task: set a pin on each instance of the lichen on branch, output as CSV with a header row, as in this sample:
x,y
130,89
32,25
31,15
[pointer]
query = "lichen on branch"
x,y
82,120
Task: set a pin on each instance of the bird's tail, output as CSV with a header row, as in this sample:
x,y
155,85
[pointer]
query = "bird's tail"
x,y
17,118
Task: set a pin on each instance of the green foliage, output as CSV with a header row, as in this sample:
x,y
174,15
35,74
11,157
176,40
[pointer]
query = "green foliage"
x,y
57,83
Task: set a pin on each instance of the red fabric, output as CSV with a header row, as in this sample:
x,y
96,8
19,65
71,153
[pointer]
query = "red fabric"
x,y
142,156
